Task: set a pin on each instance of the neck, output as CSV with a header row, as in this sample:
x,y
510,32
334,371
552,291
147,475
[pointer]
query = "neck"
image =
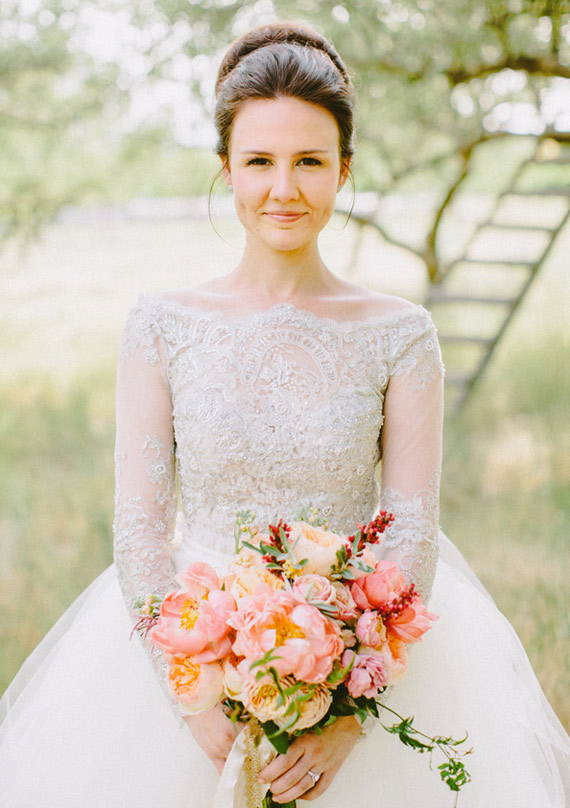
x,y
275,276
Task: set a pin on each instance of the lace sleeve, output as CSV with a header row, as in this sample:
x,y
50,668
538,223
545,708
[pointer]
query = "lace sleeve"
x,y
411,452
145,496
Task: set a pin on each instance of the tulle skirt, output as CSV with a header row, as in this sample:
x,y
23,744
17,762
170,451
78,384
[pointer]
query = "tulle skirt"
x,y
87,723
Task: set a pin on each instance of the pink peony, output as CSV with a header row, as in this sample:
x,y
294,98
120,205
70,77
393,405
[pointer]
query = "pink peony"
x,y
367,675
379,587
306,642
196,687
370,629
412,622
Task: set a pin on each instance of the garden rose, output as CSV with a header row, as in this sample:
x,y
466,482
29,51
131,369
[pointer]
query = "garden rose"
x,y
317,545
367,675
344,602
370,629
315,707
250,580
315,588
395,657
233,681
196,687
262,699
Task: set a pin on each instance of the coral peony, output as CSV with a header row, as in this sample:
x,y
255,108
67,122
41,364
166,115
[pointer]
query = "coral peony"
x,y
305,641
197,627
198,579
412,622
379,587
197,687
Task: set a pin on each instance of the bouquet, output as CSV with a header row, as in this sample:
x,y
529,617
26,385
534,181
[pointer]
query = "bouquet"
x,y
306,626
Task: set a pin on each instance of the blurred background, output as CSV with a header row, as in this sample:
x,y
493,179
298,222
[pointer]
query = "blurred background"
x,y
462,202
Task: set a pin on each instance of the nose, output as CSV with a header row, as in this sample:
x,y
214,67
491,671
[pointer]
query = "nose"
x,y
284,187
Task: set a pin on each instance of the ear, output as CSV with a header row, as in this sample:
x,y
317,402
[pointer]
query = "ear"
x,y
344,172
226,170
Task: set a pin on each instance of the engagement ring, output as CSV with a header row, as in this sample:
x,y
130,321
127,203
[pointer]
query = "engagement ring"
x,y
314,777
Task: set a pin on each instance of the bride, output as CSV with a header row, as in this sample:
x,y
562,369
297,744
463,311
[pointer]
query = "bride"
x,y
275,387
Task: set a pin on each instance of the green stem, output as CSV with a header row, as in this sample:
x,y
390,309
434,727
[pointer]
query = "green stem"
x,y
269,803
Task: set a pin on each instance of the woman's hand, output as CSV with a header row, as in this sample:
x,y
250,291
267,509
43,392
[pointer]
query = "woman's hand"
x,y
215,733
322,754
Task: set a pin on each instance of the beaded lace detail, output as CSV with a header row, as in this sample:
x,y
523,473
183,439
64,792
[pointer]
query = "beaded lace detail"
x,y
271,411
414,533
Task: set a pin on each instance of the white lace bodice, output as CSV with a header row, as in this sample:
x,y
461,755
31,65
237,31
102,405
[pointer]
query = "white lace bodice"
x,y
273,411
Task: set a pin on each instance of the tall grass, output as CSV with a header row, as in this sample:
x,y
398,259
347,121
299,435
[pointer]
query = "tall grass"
x,y
56,489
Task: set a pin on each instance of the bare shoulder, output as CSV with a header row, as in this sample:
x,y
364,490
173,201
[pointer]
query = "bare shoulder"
x,y
362,303
200,296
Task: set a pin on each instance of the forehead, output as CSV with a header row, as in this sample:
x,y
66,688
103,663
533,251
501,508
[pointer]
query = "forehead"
x,y
268,124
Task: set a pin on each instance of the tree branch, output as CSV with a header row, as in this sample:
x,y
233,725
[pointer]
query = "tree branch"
x,y
535,65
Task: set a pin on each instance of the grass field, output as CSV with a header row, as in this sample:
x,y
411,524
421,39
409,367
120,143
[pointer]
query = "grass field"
x,y
506,490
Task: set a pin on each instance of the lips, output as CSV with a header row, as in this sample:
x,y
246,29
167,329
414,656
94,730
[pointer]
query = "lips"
x,y
283,216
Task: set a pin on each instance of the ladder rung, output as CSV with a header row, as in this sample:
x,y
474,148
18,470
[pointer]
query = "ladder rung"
x,y
466,338
563,193
457,379
443,297
526,228
508,262
556,161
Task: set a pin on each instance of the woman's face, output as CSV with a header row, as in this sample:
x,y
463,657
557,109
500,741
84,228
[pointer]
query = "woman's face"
x,y
285,169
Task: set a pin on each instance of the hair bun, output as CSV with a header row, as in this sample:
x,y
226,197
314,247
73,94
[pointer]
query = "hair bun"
x,y
273,33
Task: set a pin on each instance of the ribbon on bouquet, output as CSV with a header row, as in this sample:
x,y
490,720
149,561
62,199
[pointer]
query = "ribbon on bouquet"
x,y
238,786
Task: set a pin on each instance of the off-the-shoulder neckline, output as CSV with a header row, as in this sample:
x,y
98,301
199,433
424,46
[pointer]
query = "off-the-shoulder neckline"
x,y
259,315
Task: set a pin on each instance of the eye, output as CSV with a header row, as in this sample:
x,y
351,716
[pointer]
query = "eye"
x,y
310,161
258,161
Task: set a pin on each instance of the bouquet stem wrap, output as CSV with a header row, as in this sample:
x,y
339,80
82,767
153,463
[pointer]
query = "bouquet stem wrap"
x,y
238,786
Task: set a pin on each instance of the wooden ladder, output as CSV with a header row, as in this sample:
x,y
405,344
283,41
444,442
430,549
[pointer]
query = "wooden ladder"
x,y
480,291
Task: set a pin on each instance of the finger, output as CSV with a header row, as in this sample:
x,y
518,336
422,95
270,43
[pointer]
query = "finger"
x,y
319,787
291,779
300,789
219,763
281,764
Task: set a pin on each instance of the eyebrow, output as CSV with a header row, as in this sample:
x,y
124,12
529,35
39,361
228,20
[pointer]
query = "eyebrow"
x,y
297,154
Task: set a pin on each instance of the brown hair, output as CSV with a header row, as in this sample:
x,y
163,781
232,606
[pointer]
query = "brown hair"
x,y
284,59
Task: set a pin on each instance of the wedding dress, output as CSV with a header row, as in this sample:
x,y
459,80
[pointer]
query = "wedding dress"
x,y
272,411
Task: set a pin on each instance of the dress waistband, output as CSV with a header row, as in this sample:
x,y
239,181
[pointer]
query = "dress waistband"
x,y
187,550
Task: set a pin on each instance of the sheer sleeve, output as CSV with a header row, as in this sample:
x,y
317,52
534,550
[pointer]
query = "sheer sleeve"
x,y
145,495
411,450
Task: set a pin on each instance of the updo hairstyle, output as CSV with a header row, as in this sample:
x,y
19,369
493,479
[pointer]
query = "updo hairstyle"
x,y
284,59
